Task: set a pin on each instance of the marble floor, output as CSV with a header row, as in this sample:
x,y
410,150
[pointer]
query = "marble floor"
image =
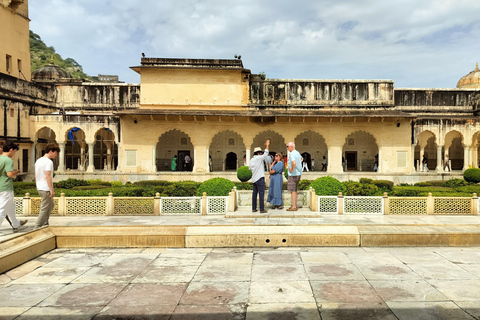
x,y
246,283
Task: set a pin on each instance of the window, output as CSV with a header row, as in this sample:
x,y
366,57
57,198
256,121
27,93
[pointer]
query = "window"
x,y
9,63
131,158
402,159
231,142
305,142
19,64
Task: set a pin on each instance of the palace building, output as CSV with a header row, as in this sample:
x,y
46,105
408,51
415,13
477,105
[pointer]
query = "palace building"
x,y
217,112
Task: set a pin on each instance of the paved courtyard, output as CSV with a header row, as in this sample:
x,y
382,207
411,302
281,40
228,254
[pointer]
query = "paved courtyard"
x,y
245,283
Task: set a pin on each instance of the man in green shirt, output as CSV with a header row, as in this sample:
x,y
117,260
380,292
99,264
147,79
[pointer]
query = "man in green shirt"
x,y
7,173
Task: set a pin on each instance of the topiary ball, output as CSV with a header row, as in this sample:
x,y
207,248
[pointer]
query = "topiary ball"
x,y
244,174
215,187
327,186
472,175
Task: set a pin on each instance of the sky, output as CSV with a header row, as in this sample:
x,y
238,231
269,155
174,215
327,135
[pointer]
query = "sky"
x,y
417,44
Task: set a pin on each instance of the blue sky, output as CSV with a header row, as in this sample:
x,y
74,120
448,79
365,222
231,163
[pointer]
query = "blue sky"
x,y
417,44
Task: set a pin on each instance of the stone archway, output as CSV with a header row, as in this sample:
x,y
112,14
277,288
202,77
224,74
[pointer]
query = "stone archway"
x,y
44,136
76,150
426,146
174,143
360,151
224,143
454,148
105,150
313,143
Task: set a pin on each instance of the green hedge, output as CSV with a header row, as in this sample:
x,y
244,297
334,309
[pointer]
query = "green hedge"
x,y
215,187
472,175
244,174
327,186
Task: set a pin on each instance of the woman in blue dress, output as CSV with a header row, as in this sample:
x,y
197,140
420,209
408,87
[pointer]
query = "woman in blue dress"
x,y
276,183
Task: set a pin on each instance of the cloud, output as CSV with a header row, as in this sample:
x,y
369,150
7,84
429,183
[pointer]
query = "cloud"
x,y
431,43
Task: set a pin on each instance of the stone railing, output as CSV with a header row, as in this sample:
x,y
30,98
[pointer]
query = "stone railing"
x,y
110,205
396,205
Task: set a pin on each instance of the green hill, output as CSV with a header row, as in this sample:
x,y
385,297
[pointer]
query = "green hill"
x,y
41,55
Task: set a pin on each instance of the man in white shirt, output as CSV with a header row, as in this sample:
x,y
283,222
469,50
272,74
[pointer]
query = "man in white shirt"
x,y
257,166
44,181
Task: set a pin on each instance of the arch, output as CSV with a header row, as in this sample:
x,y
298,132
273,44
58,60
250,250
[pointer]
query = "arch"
x,y
454,148
105,150
426,146
171,143
312,143
43,137
360,151
222,144
76,149
277,142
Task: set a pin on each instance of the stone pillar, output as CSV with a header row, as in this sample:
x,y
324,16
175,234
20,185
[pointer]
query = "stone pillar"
x,y
247,156
466,158
109,156
439,159
475,157
200,163
335,161
412,158
90,157
33,157
154,158
380,166
61,157
422,152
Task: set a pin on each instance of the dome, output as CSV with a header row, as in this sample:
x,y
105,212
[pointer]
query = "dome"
x,y
50,72
471,80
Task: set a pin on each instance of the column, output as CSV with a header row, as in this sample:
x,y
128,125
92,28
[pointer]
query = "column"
x,y
335,161
247,156
412,158
33,157
109,156
466,152
61,157
475,157
439,158
200,163
380,166
422,152
154,158
90,157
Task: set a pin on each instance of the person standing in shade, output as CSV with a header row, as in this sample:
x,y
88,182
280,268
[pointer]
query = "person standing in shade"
x,y
324,163
425,163
187,162
174,163
44,181
446,163
294,174
7,173
257,166
276,183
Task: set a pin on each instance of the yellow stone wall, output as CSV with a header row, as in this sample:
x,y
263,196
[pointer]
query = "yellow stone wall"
x,y
14,39
193,88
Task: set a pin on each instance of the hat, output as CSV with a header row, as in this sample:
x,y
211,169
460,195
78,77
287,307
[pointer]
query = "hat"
x,y
257,149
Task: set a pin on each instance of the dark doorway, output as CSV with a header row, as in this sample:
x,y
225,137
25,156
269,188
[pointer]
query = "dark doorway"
x,y
307,160
25,161
231,161
351,160
181,165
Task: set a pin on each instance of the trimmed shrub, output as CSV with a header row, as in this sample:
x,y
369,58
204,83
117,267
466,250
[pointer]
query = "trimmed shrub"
x,y
437,183
181,189
94,187
151,183
304,184
365,180
472,175
469,189
215,187
327,186
70,183
406,191
423,184
243,186
383,184
244,174
286,173
455,183
353,188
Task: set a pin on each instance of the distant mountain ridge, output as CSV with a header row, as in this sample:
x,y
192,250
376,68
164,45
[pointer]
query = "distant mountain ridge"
x,y
41,55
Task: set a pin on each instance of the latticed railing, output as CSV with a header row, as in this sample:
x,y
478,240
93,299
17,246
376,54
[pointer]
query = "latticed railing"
x,y
133,206
407,205
177,205
18,205
217,205
363,205
327,204
452,205
244,198
85,206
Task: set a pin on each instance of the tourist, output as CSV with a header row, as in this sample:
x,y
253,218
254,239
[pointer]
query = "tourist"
x,y
304,165
244,160
324,164
446,163
187,162
44,181
313,165
294,174
174,163
424,163
276,183
257,164
210,163
7,173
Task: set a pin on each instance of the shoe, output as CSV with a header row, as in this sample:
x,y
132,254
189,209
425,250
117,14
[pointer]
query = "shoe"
x,y
22,222
280,207
19,228
292,209
263,211
254,210
274,207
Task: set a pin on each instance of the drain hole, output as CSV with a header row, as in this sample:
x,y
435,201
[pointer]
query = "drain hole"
x,y
267,241
284,240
